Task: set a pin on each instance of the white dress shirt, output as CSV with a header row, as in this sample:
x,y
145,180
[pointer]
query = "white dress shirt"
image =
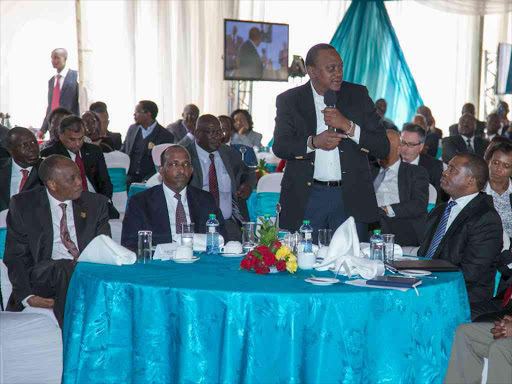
x,y
63,75
327,163
456,209
416,161
388,193
16,177
172,203
148,131
223,179
89,185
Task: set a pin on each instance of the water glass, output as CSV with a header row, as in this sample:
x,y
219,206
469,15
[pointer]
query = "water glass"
x,y
248,236
324,237
389,247
187,235
144,251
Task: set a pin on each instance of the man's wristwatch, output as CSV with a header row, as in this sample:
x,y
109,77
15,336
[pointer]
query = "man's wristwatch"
x,y
311,143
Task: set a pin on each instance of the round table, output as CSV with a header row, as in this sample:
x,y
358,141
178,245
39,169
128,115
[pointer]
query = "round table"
x,y
209,322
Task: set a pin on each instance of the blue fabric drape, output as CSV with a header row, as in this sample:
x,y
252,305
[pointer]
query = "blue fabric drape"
x,y
372,57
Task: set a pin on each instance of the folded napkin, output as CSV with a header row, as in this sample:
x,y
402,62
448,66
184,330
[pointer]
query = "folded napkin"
x,y
103,250
165,251
199,241
365,250
344,254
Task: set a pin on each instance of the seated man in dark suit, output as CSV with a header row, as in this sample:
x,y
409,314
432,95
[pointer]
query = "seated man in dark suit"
x,y
494,127
413,141
402,196
185,204
220,170
466,141
18,173
249,156
467,231
140,140
100,108
480,125
47,229
88,157
183,129
53,126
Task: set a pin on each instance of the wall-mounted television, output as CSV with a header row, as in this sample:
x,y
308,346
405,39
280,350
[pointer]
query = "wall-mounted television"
x,y
504,75
254,50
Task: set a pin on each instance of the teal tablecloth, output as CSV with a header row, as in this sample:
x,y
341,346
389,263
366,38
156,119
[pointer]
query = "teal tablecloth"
x,y
209,322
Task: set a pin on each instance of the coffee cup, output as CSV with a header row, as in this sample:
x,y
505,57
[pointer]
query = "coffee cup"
x,y
232,247
306,260
183,252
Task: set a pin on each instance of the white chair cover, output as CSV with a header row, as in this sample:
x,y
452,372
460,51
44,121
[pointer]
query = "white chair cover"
x,y
156,153
432,194
5,286
154,180
118,159
270,183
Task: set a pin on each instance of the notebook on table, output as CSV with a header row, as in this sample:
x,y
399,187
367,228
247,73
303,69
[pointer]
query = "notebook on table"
x,y
435,265
394,281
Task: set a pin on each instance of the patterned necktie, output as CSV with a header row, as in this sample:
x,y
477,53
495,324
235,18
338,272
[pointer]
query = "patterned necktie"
x,y
181,218
379,179
56,93
80,163
212,179
24,179
66,237
470,148
440,231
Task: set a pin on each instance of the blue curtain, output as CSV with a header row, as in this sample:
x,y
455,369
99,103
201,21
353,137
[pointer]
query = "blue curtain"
x,y
372,57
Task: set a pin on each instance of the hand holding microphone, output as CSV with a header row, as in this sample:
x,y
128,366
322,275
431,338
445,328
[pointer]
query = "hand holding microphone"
x,y
333,117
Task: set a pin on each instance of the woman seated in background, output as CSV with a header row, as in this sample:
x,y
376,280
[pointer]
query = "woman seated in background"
x,y
53,126
92,131
244,133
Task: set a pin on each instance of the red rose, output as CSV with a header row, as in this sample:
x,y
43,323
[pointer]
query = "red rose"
x,y
255,262
262,249
269,259
281,265
277,245
246,264
262,270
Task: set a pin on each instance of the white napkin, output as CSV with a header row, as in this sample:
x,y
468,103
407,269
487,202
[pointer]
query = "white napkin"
x,y
103,250
200,241
345,255
365,250
165,251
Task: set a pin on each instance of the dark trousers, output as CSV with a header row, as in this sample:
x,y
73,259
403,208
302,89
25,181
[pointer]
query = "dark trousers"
x,y
491,310
233,230
50,279
326,210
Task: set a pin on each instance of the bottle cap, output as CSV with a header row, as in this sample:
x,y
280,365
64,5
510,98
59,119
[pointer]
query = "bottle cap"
x,y
212,216
377,232
306,222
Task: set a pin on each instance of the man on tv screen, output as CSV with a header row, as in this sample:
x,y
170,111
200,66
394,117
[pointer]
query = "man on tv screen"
x,y
251,66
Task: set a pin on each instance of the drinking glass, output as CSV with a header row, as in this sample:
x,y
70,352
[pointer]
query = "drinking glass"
x,y
144,252
324,237
389,247
248,236
187,235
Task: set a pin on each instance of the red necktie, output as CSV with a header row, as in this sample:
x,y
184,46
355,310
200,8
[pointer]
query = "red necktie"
x,y
181,217
24,179
508,295
80,163
56,93
212,179
66,237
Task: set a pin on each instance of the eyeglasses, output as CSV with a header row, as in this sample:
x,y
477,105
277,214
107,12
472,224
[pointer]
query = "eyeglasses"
x,y
409,145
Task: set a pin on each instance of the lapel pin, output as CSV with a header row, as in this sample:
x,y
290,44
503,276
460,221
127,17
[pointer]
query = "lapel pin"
x,y
151,145
83,215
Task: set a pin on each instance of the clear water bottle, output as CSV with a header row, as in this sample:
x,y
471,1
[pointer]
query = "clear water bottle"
x,y
306,230
212,235
377,246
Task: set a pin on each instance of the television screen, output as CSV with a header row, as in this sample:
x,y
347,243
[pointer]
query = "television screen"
x,y
255,50
504,75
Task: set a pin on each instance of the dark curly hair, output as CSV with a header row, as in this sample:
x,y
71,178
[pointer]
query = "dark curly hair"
x,y
247,116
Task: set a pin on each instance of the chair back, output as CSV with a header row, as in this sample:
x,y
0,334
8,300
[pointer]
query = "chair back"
x,y
268,194
3,231
432,197
249,156
118,164
156,153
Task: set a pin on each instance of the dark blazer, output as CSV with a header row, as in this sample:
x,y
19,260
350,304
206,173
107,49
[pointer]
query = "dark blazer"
x,y
68,96
473,242
180,133
408,225
432,142
95,169
148,211
251,66
456,144
479,131
32,182
238,171
30,234
3,136
116,138
434,168
296,121
160,135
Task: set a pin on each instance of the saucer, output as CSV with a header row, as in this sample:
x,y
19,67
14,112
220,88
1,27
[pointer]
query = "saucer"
x,y
414,272
227,254
322,280
186,261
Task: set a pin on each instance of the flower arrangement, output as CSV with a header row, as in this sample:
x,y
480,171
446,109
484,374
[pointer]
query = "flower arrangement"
x,y
261,169
270,254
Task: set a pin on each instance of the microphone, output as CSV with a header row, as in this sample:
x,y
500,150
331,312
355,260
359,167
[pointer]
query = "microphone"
x,y
330,102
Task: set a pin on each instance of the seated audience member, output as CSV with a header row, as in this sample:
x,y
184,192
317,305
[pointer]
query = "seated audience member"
x,y
47,228
402,195
244,129
494,127
248,155
88,157
433,134
502,112
220,170
381,105
495,141
475,341
467,231
19,171
183,129
140,140
480,125
185,204
92,124
100,108
465,142
413,141
53,126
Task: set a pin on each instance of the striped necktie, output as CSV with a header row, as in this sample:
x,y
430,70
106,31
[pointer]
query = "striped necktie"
x,y
440,231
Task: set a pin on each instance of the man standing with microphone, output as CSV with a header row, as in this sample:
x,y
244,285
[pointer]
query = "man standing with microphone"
x,y
326,139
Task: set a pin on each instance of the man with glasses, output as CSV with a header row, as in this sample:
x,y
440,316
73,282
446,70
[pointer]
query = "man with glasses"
x,y
412,144
220,170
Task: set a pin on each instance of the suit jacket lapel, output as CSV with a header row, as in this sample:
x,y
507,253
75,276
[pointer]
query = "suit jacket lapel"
x,y
193,208
65,85
225,159
307,104
197,177
5,181
45,215
33,177
402,178
80,217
